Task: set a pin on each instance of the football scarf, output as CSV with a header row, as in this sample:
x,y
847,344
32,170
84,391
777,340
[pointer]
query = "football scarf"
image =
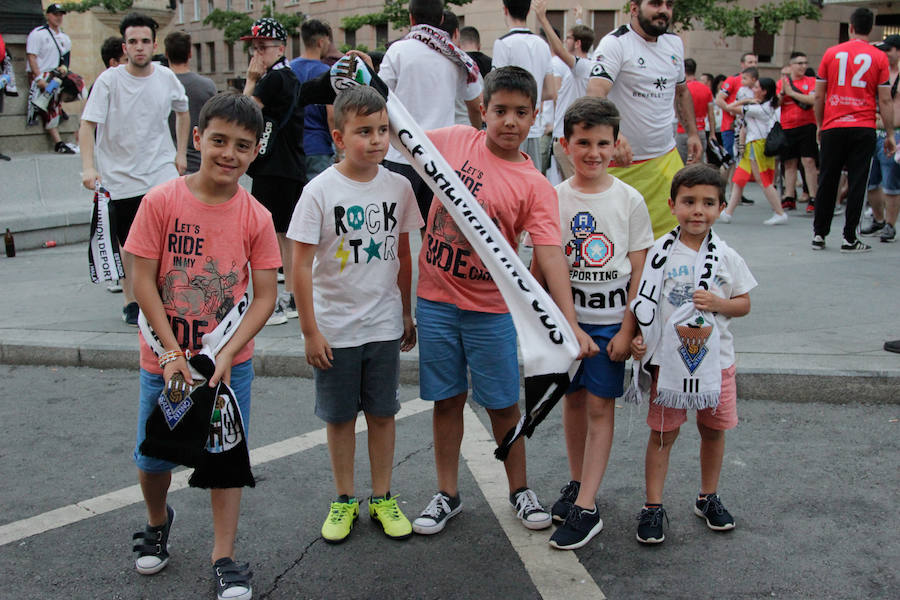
x,y
104,260
686,347
437,40
196,425
548,343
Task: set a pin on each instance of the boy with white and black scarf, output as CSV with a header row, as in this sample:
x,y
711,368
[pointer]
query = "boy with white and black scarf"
x,y
693,284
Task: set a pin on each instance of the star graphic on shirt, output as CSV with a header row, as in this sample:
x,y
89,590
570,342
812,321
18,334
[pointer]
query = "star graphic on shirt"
x,y
660,83
372,250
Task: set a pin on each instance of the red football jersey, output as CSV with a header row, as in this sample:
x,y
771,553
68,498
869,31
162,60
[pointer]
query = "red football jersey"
x,y
792,115
701,96
852,72
730,87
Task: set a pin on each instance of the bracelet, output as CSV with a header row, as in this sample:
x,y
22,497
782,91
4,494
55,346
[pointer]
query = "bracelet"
x,y
170,356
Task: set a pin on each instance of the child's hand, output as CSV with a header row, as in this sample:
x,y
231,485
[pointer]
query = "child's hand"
x,y
586,345
223,368
408,341
256,68
638,348
318,352
708,301
619,347
179,365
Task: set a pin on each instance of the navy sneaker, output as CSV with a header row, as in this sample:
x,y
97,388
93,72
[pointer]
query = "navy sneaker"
x,y
566,501
711,509
650,526
152,546
579,527
232,580
435,516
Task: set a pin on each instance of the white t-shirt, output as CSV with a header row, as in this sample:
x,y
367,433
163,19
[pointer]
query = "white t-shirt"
x,y
574,86
521,48
759,119
733,278
644,75
356,227
134,148
598,232
427,83
40,43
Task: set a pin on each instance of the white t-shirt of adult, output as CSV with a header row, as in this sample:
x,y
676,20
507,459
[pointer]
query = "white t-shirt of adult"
x,y
598,231
521,48
134,148
40,43
427,83
356,227
759,119
733,278
644,75
574,86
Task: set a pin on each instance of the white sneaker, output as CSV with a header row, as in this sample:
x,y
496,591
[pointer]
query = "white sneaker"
x,y
435,516
724,217
286,301
776,219
529,510
278,317
114,288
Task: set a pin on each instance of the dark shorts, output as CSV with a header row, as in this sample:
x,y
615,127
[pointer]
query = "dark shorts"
x,y
279,195
123,212
801,142
362,378
598,374
423,193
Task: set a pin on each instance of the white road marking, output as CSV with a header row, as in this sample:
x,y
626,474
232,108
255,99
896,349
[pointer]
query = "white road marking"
x,y
556,574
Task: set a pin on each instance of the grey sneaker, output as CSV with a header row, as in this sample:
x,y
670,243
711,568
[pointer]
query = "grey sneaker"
x,y
872,229
289,306
888,234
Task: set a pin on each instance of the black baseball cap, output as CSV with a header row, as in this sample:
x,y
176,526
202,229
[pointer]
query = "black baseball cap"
x,y
891,41
55,9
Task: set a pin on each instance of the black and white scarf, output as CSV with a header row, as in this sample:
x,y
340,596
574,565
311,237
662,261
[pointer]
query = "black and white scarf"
x,y
437,40
686,347
104,260
203,429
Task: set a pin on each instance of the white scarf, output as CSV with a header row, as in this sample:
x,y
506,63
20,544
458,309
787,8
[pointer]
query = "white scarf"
x,y
686,347
104,260
437,40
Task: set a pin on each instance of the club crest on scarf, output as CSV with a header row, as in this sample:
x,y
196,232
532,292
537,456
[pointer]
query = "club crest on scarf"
x,y
224,432
693,335
174,405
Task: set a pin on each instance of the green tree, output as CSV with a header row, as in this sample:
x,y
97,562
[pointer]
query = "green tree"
x,y
395,12
235,24
727,18
112,6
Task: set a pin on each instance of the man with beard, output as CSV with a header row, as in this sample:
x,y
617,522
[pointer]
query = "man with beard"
x,y
642,71
129,108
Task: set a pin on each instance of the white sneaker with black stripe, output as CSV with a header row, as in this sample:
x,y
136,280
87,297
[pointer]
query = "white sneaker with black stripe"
x,y
856,247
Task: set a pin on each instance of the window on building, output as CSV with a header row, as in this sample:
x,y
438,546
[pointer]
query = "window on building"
x,y
763,43
211,52
557,18
248,5
350,37
229,56
196,10
602,22
844,33
227,4
180,11
295,45
198,58
381,35
210,6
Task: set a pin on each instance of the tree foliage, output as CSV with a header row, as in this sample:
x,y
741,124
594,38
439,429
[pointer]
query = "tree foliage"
x,y
234,24
112,6
727,18
395,12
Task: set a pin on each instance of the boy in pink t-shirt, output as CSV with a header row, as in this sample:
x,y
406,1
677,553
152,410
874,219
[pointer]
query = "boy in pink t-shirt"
x,y
195,240
464,326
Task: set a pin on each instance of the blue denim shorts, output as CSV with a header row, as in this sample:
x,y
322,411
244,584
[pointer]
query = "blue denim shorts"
x,y
601,376
456,343
362,378
885,173
152,386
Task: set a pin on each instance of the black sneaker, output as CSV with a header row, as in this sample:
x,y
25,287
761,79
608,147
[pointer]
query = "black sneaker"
x,y
566,501
711,509
577,530
435,516
63,148
856,247
872,229
232,580
745,201
130,314
650,527
529,509
152,546
818,242
892,346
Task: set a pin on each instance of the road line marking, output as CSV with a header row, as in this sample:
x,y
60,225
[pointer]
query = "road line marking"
x,y
557,574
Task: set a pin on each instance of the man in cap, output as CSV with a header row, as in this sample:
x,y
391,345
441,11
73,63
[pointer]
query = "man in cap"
x,y
46,48
279,172
884,176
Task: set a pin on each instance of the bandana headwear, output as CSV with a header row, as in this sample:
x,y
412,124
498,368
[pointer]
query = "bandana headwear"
x,y
437,40
266,29
686,347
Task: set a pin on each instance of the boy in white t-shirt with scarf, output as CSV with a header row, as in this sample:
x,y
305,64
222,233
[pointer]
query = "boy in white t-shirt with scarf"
x,y
693,284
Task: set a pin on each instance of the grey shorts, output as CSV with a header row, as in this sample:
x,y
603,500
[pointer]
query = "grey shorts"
x,y
362,378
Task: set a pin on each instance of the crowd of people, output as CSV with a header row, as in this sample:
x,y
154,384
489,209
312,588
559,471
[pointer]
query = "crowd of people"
x,y
623,243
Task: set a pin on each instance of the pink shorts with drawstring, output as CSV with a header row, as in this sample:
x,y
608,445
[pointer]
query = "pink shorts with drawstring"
x,y
721,418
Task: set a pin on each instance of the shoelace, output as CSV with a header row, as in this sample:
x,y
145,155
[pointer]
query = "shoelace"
x,y
652,517
437,505
338,512
527,504
570,491
390,508
713,503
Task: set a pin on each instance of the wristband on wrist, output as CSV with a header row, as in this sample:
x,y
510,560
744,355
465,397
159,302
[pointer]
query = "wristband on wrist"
x,y
170,356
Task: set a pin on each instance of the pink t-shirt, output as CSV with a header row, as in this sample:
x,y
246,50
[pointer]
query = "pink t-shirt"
x,y
204,252
515,196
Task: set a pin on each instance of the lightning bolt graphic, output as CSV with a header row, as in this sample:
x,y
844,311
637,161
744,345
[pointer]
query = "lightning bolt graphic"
x,y
342,254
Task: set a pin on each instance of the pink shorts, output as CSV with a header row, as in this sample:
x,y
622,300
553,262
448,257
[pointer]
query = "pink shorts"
x,y
721,418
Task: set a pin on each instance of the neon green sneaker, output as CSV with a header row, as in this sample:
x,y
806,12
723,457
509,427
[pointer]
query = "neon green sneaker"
x,y
386,511
340,521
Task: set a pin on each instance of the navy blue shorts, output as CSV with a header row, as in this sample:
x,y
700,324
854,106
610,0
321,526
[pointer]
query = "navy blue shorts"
x,y
601,376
